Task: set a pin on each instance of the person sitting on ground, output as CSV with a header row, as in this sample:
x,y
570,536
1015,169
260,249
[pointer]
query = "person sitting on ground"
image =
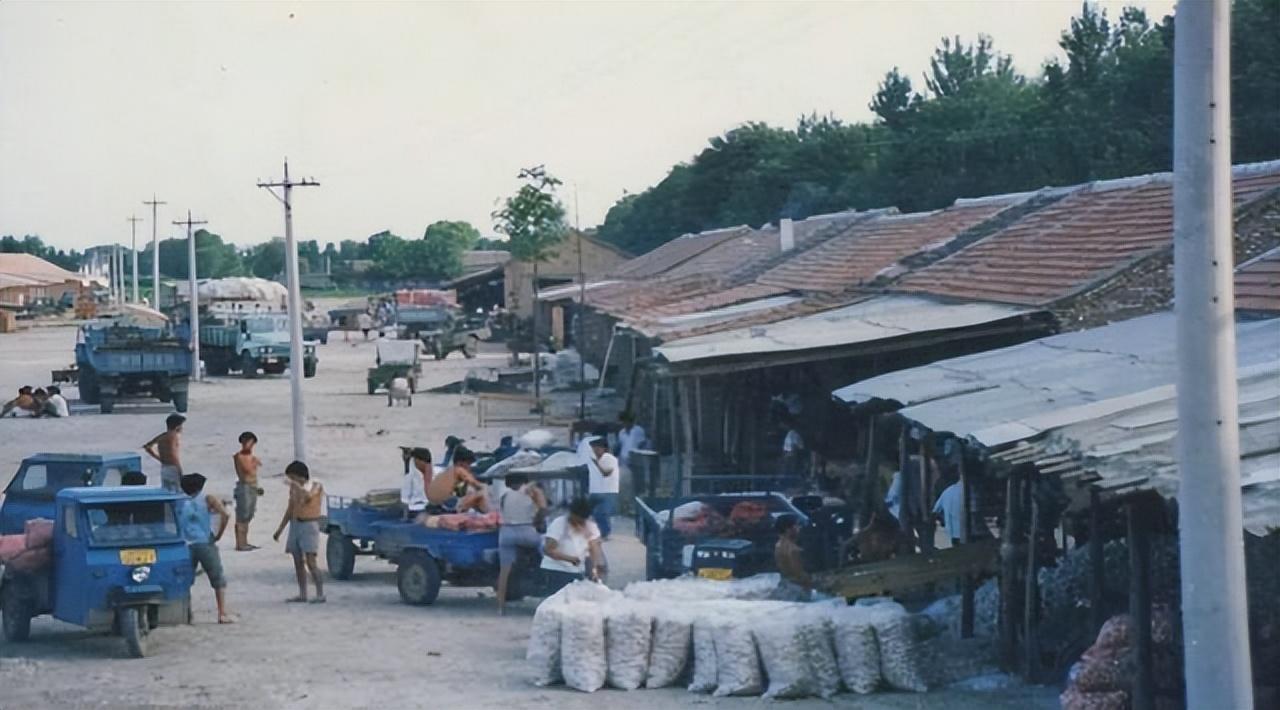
x,y
417,476
38,399
247,490
456,489
20,406
519,506
302,514
506,449
796,584
56,404
195,520
569,541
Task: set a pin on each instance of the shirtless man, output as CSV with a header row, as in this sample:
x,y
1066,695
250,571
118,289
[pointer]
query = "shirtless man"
x,y
20,406
796,584
166,448
456,487
247,489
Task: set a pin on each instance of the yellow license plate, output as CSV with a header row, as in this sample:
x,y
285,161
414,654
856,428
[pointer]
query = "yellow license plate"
x,y
137,557
717,573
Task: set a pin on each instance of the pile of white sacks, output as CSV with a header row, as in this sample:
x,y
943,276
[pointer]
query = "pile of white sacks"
x,y
727,638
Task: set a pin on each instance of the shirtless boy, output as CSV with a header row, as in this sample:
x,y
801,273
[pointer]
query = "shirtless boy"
x,y
456,487
166,448
247,489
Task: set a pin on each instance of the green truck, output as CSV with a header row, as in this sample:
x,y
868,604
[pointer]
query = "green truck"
x,y
249,344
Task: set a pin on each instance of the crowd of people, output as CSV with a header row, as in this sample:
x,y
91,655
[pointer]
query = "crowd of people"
x,y
37,402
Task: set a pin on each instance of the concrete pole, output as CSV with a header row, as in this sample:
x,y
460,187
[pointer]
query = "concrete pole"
x,y
1214,608
295,325
133,248
155,252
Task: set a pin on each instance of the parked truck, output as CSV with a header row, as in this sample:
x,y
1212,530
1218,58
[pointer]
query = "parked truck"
x,y
251,343
118,359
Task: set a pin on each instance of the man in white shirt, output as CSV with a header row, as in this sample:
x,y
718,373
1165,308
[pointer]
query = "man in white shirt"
x,y
950,508
631,436
793,451
602,484
569,541
413,489
56,404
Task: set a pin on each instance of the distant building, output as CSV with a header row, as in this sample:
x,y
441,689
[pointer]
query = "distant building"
x,y
26,279
598,259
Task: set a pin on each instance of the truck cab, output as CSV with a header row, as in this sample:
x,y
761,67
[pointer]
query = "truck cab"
x,y
32,492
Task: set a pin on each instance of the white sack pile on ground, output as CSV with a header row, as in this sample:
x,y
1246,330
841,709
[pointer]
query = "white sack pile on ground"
x,y
727,639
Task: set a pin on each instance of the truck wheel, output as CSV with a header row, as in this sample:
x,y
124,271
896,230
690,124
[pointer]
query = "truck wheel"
x,y
418,579
180,402
216,366
133,627
89,386
248,365
309,369
471,347
17,614
340,555
106,403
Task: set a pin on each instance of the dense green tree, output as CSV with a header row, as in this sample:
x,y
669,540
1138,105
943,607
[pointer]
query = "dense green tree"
x,y
214,258
533,218
978,127
266,260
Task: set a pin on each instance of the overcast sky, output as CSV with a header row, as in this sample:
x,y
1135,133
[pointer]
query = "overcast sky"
x,y
409,113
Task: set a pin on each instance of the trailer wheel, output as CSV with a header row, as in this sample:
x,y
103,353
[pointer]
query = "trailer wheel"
x,y
133,627
309,368
16,610
180,402
471,347
340,555
89,386
106,403
418,579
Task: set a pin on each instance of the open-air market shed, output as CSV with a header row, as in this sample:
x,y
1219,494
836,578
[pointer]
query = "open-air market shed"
x,y
1079,427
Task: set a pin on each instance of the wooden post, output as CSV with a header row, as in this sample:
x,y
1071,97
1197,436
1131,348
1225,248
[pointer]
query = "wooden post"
x,y
1097,565
906,518
701,439
926,525
1031,603
686,411
966,584
1140,606
872,477
1009,573
673,413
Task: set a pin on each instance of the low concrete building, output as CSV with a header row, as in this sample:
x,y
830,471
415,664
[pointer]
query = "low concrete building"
x,y
597,259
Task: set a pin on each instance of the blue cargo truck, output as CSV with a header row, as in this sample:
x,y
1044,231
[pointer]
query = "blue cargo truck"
x,y
116,360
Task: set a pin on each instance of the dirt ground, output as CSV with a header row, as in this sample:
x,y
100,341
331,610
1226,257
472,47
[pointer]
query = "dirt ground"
x,y
364,648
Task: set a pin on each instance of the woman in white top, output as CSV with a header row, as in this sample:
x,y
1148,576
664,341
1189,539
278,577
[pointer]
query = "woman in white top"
x,y
569,541
519,505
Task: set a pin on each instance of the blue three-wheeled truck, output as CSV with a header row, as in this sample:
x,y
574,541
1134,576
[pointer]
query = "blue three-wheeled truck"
x,y
119,563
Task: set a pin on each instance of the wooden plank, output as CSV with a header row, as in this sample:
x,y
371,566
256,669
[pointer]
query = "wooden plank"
x,y
901,573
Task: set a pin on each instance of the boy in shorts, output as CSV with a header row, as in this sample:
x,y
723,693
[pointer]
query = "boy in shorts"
x,y
247,490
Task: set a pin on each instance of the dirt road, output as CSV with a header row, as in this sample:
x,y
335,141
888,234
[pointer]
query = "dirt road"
x,y
363,649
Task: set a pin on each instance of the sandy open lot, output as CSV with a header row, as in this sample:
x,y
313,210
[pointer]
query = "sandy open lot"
x,y
364,649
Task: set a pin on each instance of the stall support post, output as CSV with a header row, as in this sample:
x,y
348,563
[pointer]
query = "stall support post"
x,y
925,524
690,447
906,517
1009,574
1140,606
675,438
1097,565
966,588
1031,602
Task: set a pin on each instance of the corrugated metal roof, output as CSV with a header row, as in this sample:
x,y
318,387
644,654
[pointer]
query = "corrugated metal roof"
x,y
36,269
1075,242
1020,392
865,250
1258,283
660,326
873,319
571,291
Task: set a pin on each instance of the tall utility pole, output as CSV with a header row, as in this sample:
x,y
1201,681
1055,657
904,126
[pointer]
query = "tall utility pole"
x,y
582,305
1214,609
155,252
195,299
133,244
295,307
117,273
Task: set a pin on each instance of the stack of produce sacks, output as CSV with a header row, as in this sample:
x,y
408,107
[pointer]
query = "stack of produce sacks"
x,y
31,550
727,638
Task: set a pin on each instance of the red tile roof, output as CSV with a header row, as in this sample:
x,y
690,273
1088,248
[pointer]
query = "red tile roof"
x,y
1258,283
866,249
1073,243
